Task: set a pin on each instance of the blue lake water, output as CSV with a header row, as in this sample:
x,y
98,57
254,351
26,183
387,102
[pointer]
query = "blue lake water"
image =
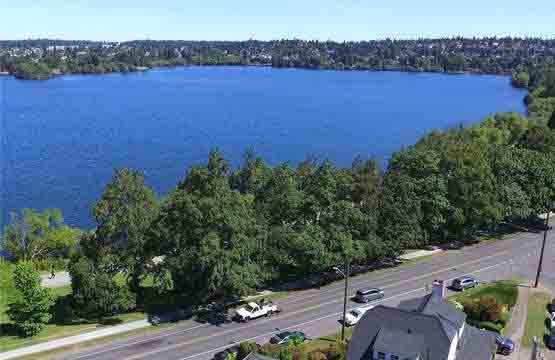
x,y
62,138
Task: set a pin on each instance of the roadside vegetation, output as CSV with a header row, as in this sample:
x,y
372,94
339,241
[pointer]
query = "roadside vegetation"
x,y
489,306
536,321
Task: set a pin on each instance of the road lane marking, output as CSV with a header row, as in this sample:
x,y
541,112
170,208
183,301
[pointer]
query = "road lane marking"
x,y
143,341
196,340
324,317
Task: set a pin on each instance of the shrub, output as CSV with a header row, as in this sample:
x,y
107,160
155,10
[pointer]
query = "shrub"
x,y
246,348
30,310
286,353
488,325
318,355
484,309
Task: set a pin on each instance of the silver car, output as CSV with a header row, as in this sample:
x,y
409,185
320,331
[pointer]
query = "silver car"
x,y
464,282
367,295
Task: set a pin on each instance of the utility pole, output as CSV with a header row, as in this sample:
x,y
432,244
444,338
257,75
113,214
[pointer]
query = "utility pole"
x,y
543,249
346,276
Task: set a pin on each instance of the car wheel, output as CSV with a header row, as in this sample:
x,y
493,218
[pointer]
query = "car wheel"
x,y
505,352
269,313
247,319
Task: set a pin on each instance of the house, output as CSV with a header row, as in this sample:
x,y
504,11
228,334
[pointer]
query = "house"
x,y
427,328
256,356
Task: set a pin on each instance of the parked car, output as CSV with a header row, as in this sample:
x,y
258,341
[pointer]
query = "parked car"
x,y
550,341
254,310
154,320
353,316
505,346
286,337
464,282
551,307
367,295
223,355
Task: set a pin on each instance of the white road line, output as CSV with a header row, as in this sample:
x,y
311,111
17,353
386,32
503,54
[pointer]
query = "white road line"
x,y
319,305
330,315
143,341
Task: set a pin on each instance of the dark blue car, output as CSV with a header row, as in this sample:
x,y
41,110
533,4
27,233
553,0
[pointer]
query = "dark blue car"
x,y
505,346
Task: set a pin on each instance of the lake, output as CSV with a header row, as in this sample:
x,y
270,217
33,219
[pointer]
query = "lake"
x,y
62,138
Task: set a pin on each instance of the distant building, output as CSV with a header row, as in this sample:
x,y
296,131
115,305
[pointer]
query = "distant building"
x,y
425,328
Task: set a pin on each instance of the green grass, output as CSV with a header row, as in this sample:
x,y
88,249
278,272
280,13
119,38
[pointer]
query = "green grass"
x,y
323,342
10,341
505,292
536,318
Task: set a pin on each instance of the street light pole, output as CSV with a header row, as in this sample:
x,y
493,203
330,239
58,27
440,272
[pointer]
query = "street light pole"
x,y
346,275
538,273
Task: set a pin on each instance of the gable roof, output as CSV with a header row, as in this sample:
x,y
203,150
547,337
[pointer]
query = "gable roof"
x,y
379,323
451,318
422,326
257,356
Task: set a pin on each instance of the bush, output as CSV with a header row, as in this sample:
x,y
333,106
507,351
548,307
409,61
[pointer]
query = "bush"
x,y
488,325
318,355
484,309
30,309
246,348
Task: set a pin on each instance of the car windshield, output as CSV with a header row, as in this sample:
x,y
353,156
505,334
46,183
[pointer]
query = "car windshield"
x,y
355,313
250,308
283,335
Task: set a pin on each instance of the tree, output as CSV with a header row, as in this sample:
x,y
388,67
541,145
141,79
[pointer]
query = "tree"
x,y
95,294
30,310
209,236
35,236
551,122
124,215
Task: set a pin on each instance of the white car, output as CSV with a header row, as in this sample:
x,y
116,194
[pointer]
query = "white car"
x,y
353,316
254,310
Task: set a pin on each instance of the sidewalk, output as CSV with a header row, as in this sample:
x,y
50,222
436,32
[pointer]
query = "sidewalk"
x,y
515,327
62,278
71,340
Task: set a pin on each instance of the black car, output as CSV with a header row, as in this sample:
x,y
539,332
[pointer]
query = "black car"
x,y
223,355
550,341
551,307
505,346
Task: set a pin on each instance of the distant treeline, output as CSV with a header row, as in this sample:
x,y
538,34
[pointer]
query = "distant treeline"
x,y
451,55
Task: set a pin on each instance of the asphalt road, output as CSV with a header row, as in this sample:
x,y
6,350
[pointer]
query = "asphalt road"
x,y
317,311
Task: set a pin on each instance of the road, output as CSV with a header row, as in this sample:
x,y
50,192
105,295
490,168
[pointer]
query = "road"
x,y
317,311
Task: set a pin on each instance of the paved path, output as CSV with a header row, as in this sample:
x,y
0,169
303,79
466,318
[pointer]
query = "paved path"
x,y
515,327
61,279
71,340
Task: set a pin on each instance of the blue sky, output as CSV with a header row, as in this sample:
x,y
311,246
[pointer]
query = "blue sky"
x,y
244,19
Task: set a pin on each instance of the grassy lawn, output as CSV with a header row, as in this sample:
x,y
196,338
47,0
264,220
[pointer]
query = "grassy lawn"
x,y
324,342
505,292
9,340
536,318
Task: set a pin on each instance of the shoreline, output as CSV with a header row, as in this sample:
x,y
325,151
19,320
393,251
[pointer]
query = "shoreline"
x,y
143,69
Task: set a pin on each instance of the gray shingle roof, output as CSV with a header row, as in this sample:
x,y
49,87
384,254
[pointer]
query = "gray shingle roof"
x,y
411,345
436,342
256,356
476,344
424,326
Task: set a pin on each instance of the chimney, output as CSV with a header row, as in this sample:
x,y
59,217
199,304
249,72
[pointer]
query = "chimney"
x,y
438,288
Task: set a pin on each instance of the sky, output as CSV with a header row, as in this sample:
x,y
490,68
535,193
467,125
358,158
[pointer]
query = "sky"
x,y
120,20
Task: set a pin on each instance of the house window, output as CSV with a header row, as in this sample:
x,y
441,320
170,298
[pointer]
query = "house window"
x,y
381,356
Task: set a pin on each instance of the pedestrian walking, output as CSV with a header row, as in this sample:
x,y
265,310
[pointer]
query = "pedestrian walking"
x,y
52,273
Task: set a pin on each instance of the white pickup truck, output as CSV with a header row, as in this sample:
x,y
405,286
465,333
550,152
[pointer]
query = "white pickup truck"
x,y
254,310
